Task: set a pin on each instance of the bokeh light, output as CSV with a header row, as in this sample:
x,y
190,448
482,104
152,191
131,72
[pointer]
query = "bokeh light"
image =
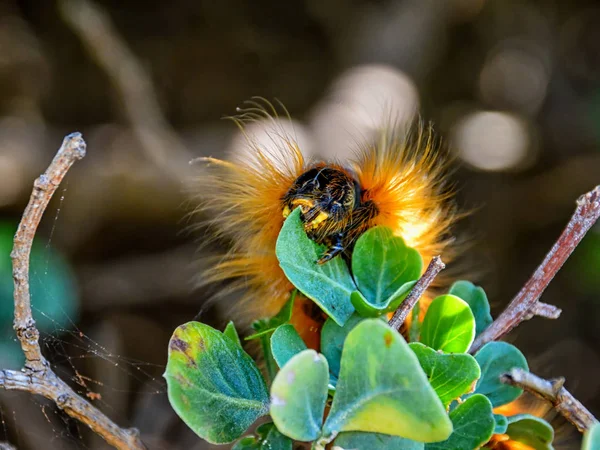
x,y
492,141
362,100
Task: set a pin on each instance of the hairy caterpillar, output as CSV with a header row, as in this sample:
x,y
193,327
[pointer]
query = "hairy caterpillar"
x,y
396,180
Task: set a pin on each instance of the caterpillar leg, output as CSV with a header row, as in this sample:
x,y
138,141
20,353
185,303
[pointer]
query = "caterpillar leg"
x,y
337,247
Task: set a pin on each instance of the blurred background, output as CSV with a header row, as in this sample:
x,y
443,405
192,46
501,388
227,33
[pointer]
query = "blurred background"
x,y
512,86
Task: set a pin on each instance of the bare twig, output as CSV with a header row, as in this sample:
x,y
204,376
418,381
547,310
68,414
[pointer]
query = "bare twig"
x,y
435,266
95,29
37,377
554,392
526,304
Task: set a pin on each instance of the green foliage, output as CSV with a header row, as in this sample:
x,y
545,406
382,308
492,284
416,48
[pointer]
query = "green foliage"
x,y
591,439
264,329
449,375
374,441
285,343
385,270
332,341
495,359
328,285
213,385
266,326
373,394
477,300
232,333
383,392
449,325
298,396
53,294
473,424
501,424
530,430
269,438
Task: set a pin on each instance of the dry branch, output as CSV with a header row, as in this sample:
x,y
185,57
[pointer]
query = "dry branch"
x,y
526,303
37,377
554,392
435,266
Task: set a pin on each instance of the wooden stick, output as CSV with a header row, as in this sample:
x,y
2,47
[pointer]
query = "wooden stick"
x,y
37,377
435,266
554,392
526,303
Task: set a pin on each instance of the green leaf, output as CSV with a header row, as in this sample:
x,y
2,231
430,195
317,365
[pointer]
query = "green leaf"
x,y
232,333
449,325
477,299
383,265
501,424
495,359
352,440
268,325
473,422
449,375
332,342
298,396
329,285
591,439
285,343
269,438
382,388
212,384
530,430
367,309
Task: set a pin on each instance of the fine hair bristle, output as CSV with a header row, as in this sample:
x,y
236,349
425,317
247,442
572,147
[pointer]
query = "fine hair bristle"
x,y
240,201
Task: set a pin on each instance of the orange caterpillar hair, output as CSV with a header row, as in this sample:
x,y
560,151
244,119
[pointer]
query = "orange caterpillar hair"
x,y
242,200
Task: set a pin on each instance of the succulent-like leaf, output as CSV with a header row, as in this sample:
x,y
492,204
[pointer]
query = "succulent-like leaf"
x,y
473,422
501,424
495,359
269,438
232,333
531,431
450,375
285,343
477,299
368,309
383,268
449,325
332,342
329,285
298,396
382,388
352,440
591,439
212,384
268,325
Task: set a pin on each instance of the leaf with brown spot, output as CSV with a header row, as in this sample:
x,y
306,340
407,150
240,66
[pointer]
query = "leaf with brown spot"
x,y
213,385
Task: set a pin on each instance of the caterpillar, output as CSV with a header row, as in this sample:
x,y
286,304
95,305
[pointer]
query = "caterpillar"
x,y
397,179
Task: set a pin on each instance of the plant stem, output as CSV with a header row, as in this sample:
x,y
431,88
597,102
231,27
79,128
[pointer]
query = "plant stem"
x,y
554,392
435,266
37,377
526,303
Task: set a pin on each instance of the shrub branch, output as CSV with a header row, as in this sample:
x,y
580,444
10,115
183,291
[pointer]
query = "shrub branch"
x,y
37,377
435,266
526,303
554,392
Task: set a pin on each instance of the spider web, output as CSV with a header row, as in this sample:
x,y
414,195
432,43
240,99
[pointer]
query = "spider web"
x,y
95,371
